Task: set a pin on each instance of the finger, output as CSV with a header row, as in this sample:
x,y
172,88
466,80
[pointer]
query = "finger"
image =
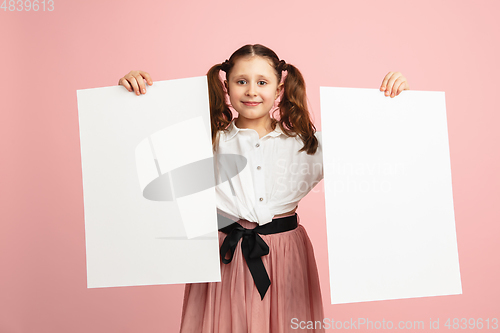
x,y
383,86
133,82
147,77
140,81
125,83
396,85
400,87
390,84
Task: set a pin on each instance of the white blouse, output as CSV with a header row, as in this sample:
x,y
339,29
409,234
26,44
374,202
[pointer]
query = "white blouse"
x,y
273,181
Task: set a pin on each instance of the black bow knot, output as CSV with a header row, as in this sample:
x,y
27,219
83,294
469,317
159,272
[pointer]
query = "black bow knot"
x,y
253,246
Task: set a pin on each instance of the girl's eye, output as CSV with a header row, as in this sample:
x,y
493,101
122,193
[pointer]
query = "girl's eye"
x,y
262,83
241,82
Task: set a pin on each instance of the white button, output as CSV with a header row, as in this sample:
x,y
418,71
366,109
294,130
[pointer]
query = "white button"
x,y
261,199
257,145
258,168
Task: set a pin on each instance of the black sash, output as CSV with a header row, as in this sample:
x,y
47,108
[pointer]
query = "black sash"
x,y
253,246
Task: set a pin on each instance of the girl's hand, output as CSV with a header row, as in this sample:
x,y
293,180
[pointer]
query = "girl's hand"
x,y
394,83
134,81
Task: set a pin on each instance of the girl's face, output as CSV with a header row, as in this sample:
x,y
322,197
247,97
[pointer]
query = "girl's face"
x,y
252,87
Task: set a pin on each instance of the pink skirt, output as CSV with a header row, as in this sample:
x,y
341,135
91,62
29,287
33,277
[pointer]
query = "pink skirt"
x,y
234,305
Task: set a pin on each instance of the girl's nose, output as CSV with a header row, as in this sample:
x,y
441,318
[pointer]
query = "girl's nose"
x,y
251,91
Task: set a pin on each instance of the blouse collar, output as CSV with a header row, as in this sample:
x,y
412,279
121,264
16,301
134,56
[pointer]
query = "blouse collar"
x,y
233,130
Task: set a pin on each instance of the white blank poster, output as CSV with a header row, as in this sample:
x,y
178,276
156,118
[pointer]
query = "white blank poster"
x,y
388,195
149,200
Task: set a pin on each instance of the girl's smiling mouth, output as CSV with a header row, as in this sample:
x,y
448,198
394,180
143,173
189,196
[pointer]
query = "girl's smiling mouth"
x,y
251,103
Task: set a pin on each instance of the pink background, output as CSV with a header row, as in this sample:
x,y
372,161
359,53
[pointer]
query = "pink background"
x,y
46,56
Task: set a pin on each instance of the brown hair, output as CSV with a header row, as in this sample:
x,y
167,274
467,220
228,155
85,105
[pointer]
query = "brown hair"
x,y
294,115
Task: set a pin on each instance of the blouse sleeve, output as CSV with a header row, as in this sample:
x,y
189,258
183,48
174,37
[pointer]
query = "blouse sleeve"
x,y
319,153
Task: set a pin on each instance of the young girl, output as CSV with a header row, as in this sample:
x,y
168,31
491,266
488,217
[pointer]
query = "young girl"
x,y
269,274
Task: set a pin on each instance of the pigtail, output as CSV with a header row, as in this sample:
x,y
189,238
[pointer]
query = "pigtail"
x,y
220,115
294,114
